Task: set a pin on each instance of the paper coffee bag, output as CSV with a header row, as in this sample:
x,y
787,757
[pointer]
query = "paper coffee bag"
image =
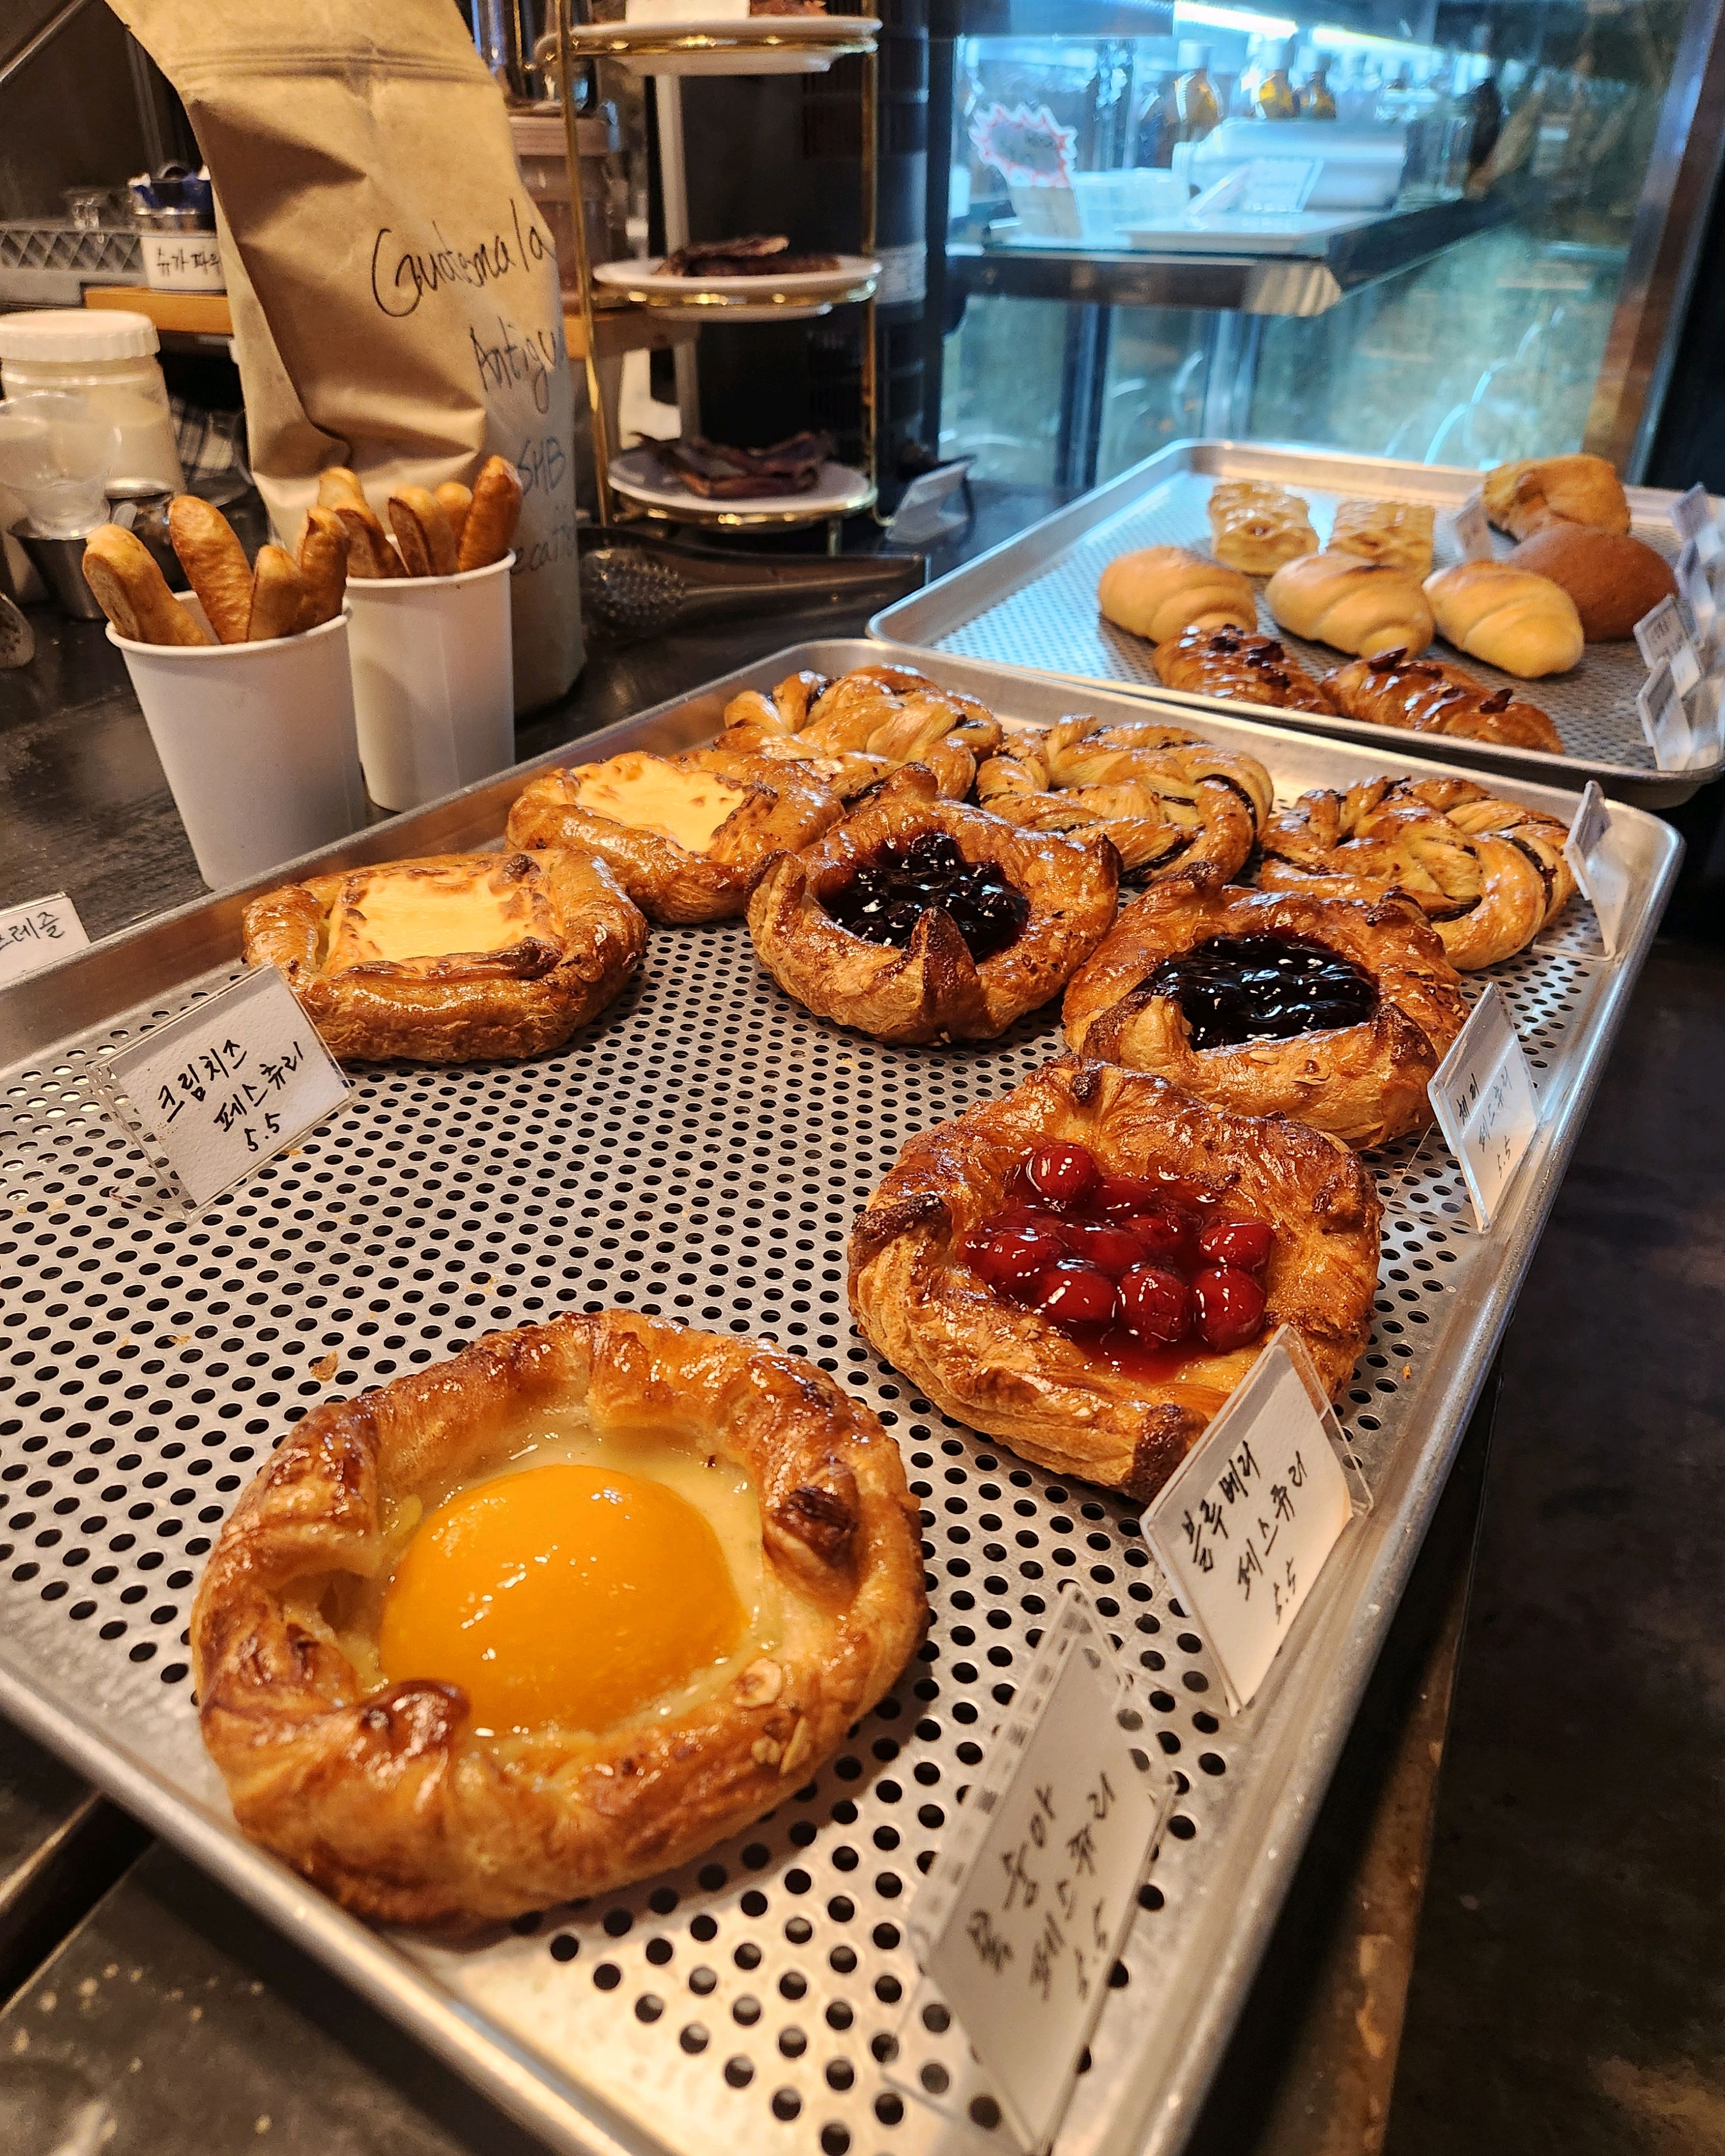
x,y
394,292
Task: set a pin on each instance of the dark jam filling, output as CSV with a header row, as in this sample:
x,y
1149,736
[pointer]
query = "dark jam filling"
x,y
1148,1274
1246,988
888,895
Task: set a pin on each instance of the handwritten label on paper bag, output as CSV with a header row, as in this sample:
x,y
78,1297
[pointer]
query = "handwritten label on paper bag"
x,y
1660,634
1692,518
230,1082
1244,1526
1026,1912
35,935
1594,850
1473,534
1483,1095
1695,589
1663,720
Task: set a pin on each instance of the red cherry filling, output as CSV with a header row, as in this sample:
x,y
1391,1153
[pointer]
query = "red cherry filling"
x,y
1141,1268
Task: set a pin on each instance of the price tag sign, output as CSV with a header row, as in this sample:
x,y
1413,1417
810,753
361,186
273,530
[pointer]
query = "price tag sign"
x,y
227,1084
1661,634
1244,1526
35,935
1483,1095
1663,719
1595,853
1696,589
1473,534
1278,187
1692,518
1028,1905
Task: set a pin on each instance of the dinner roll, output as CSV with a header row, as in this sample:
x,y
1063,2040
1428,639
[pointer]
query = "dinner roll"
x,y
1612,579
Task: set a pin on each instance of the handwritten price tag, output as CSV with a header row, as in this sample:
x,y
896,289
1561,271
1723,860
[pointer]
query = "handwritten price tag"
x,y
1473,534
1692,518
1660,634
1278,187
1243,1528
35,935
1026,1909
219,1089
1696,590
1483,1095
1595,852
1663,720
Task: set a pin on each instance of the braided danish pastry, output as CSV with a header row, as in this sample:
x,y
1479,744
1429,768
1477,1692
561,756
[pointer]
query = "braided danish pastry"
x,y
1429,697
1166,798
1241,666
857,730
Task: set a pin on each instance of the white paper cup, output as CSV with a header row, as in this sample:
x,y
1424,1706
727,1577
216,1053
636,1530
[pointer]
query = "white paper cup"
x,y
434,681
258,743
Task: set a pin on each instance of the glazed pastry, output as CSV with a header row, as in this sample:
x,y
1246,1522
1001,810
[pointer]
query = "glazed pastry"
x,y
1356,606
685,835
1088,1268
1257,527
1161,591
1244,668
918,919
1613,579
452,958
1398,532
1428,697
866,724
1507,616
1523,497
1332,1010
655,1670
1487,894
1169,801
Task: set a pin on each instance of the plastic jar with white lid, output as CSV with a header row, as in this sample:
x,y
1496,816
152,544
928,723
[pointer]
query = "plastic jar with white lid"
x,y
109,357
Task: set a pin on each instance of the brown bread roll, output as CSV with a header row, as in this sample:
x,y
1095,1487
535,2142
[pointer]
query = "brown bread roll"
x,y
1612,579
1161,591
1357,606
1508,617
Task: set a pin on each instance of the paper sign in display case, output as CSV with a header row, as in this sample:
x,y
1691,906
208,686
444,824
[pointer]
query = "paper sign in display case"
x,y
702,1151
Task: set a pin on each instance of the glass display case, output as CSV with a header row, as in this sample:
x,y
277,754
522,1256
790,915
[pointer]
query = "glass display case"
x,y
1452,232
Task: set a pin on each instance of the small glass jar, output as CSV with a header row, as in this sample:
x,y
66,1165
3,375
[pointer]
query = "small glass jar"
x,y
109,358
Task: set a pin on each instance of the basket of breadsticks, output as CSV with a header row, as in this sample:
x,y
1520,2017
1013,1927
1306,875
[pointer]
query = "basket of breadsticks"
x,y
244,682
428,595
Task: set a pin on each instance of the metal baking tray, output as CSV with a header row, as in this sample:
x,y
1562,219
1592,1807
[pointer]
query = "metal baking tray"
x,y
701,1151
1032,602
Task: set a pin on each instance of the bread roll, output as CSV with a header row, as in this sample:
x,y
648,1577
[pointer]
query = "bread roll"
x,y
1399,532
1361,607
1257,527
1524,497
1508,617
1612,579
1161,591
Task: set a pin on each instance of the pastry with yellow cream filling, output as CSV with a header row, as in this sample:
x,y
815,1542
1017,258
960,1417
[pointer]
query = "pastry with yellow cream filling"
x,y
457,956
552,1617
686,835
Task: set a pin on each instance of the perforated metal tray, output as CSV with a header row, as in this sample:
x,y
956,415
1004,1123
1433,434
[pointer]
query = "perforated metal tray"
x,y
701,1152
1032,602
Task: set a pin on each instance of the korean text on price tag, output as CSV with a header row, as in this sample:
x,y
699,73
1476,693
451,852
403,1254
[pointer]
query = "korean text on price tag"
x,y
228,1083
1595,851
1243,1528
1692,518
1664,720
35,935
1696,589
1026,1909
1483,1095
1473,534
1660,634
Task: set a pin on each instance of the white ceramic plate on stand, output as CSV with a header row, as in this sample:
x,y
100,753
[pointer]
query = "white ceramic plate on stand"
x,y
639,477
762,295
751,46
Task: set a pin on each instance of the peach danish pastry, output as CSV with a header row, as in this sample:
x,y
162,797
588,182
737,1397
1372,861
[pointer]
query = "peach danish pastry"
x,y
1086,1268
556,1616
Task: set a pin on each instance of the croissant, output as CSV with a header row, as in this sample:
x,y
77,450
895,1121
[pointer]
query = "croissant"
x,y
1523,497
1399,532
1428,697
1508,617
1258,527
1247,670
1358,606
1159,591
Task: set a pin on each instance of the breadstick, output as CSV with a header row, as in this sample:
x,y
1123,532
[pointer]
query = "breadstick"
x,y
369,552
492,520
422,533
323,564
215,561
278,596
335,484
133,593
455,500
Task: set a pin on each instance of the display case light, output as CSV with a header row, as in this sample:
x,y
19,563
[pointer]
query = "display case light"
x,y
1246,20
